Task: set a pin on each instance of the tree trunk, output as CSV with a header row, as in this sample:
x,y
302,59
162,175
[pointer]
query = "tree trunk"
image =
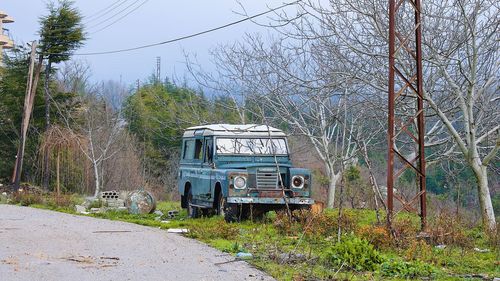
x,y
46,175
97,183
487,212
332,186
373,182
58,186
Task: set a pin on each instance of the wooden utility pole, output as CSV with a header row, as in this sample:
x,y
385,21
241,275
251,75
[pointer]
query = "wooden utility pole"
x,y
29,99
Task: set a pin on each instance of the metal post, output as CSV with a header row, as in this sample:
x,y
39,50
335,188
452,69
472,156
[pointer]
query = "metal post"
x,y
158,70
405,119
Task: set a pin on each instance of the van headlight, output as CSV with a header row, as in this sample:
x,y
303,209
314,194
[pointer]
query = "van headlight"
x,y
240,182
298,181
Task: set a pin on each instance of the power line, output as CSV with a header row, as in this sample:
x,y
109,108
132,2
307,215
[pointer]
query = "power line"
x,y
114,15
106,11
88,20
98,13
179,38
120,18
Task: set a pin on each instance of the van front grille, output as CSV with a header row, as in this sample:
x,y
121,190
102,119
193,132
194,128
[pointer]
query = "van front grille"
x,y
267,178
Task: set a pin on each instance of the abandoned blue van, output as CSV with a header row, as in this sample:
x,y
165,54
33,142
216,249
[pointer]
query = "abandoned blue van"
x,y
239,171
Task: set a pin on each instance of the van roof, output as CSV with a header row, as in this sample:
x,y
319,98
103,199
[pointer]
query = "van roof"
x,y
234,130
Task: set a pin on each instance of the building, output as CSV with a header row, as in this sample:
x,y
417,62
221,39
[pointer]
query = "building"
x,y
5,41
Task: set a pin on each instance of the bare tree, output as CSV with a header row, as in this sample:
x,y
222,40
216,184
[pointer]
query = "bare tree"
x,y
461,66
289,85
101,127
94,116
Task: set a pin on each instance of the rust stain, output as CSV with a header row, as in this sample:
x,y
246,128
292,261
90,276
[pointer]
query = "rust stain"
x,y
271,194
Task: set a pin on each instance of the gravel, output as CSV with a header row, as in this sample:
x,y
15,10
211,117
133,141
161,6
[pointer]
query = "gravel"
x,y
44,245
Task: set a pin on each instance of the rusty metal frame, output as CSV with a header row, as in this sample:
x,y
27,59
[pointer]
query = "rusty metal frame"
x,y
405,82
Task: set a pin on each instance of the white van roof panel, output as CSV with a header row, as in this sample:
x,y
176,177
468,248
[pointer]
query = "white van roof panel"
x,y
234,130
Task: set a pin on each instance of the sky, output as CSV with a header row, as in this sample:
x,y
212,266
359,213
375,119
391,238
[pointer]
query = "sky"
x,y
149,21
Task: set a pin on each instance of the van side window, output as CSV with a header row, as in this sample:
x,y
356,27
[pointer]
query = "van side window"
x,y
188,150
197,151
192,150
209,150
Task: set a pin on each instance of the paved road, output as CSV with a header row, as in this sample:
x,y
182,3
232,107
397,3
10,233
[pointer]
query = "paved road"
x,y
43,245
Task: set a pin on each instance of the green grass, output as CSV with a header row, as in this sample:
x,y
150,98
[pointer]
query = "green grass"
x,y
268,243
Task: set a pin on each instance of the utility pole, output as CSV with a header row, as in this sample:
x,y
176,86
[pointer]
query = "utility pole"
x,y
158,70
406,128
29,99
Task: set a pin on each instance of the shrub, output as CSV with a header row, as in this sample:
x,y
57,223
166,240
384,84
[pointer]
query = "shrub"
x,y
62,200
26,198
446,228
408,270
419,250
314,225
354,253
405,230
285,225
377,236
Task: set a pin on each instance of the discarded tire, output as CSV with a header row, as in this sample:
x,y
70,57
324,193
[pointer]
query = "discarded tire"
x,y
140,202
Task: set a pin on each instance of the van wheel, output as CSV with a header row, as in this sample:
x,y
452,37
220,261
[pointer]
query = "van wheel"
x,y
221,204
193,212
227,210
255,213
231,213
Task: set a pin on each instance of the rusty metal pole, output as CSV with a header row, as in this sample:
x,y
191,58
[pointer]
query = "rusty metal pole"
x,y
405,118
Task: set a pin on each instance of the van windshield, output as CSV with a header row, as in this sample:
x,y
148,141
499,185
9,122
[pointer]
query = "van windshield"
x,y
252,146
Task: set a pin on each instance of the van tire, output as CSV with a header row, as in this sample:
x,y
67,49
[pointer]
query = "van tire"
x,y
221,205
231,212
227,210
193,212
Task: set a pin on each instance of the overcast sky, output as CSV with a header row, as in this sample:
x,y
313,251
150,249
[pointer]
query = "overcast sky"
x,y
150,21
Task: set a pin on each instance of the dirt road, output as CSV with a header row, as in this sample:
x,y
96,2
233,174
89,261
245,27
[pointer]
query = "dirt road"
x,y
43,245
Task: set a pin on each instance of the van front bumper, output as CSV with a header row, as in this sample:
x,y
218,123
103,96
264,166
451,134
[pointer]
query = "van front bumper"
x,y
260,200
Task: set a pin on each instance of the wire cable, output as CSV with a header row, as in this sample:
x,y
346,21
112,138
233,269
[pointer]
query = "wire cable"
x,y
104,10
179,38
114,15
87,20
120,18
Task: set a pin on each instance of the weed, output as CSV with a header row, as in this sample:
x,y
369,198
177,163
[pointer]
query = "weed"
x,y
377,236
314,225
419,250
408,270
494,238
354,253
447,229
405,230
221,230
98,203
26,198
62,200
